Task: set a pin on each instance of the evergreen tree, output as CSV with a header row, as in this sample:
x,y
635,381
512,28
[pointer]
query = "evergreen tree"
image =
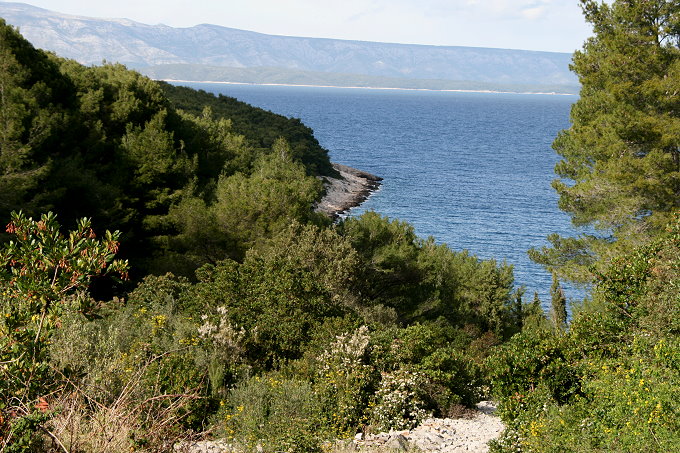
x,y
536,304
620,171
518,309
558,310
533,317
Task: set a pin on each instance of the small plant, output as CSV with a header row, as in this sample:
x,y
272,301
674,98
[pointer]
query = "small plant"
x,y
224,346
276,414
134,419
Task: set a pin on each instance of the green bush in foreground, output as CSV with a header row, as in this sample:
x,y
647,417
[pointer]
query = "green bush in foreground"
x,y
278,350
273,413
43,276
610,383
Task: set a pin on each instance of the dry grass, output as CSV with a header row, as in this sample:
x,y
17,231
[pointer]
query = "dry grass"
x,y
130,422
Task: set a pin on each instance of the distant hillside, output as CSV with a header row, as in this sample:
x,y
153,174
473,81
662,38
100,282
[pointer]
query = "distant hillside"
x,y
184,53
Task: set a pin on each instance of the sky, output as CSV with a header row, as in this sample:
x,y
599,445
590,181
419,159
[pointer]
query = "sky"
x,y
548,25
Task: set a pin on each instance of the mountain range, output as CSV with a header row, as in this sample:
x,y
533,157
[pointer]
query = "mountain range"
x,y
214,53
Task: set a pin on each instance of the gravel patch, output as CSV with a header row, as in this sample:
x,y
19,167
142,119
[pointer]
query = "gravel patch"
x,y
446,435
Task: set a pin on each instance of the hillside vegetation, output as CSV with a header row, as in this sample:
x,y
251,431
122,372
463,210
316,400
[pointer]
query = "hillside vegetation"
x,y
610,380
110,144
224,306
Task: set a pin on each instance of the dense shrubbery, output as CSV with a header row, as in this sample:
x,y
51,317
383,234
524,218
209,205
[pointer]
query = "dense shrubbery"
x,y
289,322
183,187
260,128
44,276
609,382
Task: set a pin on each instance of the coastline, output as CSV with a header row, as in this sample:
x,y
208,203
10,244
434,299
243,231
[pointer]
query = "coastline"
x,y
349,191
369,88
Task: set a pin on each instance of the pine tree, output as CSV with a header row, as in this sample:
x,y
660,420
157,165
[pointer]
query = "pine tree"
x,y
558,310
518,310
620,168
535,309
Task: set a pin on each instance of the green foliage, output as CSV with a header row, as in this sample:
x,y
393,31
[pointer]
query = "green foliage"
x,y
420,280
398,401
273,413
246,209
279,295
558,305
220,150
166,162
622,150
452,379
389,254
290,305
619,358
529,361
441,357
620,174
299,328
627,404
344,380
260,128
31,93
143,350
259,206
20,437
43,275
322,253
185,188
533,315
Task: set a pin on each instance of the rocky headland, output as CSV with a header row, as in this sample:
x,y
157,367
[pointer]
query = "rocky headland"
x,y
351,189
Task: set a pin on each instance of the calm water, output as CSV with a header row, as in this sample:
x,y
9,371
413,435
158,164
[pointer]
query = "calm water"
x,y
471,169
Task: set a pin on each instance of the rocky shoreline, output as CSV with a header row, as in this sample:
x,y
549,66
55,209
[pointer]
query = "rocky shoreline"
x,y
349,191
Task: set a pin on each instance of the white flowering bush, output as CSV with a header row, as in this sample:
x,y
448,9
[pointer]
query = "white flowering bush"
x,y
344,379
398,404
223,344
222,334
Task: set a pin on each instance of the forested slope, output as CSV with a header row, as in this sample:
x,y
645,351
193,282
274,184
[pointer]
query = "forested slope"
x,y
280,331
108,143
261,128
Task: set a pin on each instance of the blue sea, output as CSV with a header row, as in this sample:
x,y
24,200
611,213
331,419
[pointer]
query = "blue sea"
x,y
473,170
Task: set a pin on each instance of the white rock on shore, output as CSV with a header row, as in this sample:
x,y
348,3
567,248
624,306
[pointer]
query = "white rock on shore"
x,y
346,192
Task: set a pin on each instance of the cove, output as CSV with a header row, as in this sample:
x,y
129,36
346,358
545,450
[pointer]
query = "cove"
x,y
473,170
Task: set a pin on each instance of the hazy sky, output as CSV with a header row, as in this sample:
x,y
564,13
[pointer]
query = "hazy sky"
x,y
553,25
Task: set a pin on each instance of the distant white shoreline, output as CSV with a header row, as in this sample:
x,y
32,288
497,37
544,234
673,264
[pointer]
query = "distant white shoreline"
x,y
369,88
